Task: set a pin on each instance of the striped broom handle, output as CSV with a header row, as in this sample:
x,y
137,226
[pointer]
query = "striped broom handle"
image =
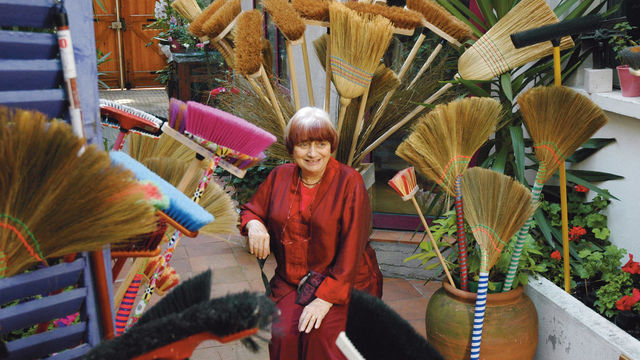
x,y
520,239
478,314
462,237
126,305
171,247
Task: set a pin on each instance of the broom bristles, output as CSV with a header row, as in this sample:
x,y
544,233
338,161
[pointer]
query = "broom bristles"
x,y
405,183
248,44
195,27
222,18
494,54
286,18
357,45
443,141
399,17
189,9
495,206
317,10
559,121
438,16
55,202
143,147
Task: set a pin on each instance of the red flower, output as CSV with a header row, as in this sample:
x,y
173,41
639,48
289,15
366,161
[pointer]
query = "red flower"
x,y
632,267
556,255
580,188
576,232
626,302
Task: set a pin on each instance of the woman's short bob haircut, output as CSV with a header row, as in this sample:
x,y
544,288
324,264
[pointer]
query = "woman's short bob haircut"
x,y
309,124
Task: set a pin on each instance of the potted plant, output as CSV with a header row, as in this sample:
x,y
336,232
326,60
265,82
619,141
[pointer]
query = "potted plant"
x,y
629,83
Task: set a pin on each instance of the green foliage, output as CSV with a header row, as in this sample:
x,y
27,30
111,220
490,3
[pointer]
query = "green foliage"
x,y
622,39
101,59
611,292
245,188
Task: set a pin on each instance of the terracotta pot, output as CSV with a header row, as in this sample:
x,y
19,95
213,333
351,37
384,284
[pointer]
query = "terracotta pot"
x,y
510,329
629,84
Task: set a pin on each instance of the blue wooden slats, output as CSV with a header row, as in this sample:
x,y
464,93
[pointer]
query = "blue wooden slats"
x,y
76,353
30,74
28,13
39,345
28,45
50,102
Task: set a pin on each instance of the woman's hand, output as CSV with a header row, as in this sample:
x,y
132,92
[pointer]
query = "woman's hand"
x,y
258,239
313,314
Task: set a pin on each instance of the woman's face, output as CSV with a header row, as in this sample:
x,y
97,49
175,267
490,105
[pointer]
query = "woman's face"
x,y
312,157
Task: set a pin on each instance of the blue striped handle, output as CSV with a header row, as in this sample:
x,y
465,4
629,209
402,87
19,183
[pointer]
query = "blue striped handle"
x,y
478,315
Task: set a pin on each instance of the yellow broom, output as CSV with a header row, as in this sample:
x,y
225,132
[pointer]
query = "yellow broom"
x,y
495,207
196,25
357,45
189,9
56,202
441,146
493,54
292,27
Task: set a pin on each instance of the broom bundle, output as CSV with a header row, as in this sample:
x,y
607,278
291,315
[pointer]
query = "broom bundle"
x,y
441,21
443,141
195,27
189,9
494,54
54,201
223,20
399,17
315,10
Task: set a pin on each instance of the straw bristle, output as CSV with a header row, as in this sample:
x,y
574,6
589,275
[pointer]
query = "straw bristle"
x,y
443,141
399,17
286,18
357,44
143,147
317,10
495,206
189,9
438,16
405,183
59,202
494,54
384,80
215,200
222,18
195,27
320,48
248,49
559,120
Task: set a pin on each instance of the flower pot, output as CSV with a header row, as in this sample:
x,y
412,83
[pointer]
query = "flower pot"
x,y
510,329
629,84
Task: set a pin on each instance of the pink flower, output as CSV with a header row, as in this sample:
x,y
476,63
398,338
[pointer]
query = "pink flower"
x,y
66,321
200,45
556,255
576,232
626,302
632,267
580,188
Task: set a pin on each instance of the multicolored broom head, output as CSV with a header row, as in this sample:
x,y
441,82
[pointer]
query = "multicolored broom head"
x,y
177,114
494,54
443,142
405,183
495,206
559,121
126,118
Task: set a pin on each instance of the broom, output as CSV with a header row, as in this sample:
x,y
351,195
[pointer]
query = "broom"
x,y
196,25
223,20
292,27
495,206
559,120
441,146
56,202
357,44
128,119
189,9
405,184
492,55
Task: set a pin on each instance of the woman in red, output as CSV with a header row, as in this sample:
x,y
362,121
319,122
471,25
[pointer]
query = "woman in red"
x,y
313,214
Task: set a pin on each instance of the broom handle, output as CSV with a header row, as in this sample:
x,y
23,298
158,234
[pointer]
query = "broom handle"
x,y
119,144
358,127
327,67
307,71
258,90
99,272
433,242
427,63
292,76
171,247
401,73
462,236
274,102
478,313
521,237
126,305
402,122
344,103
137,268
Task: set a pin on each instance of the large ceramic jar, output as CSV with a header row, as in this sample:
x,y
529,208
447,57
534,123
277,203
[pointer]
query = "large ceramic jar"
x,y
510,328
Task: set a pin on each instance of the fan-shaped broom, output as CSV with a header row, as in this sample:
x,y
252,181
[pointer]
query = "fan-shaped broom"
x,y
559,120
495,206
441,146
56,202
405,184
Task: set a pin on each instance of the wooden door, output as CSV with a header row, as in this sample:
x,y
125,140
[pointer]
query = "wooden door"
x,y
139,62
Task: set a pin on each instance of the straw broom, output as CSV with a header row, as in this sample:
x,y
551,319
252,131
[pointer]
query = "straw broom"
x,y
220,24
495,207
196,25
405,184
357,44
559,120
493,54
292,27
189,9
441,146
56,202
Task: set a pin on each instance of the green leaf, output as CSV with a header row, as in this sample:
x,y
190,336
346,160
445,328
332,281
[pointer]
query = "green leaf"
x,y
564,7
500,161
486,8
502,7
580,9
505,81
474,88
589,148
463,13
602,234
518,151
595,176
